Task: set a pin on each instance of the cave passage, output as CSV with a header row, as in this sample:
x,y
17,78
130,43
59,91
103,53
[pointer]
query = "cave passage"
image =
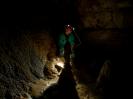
x,y
101,61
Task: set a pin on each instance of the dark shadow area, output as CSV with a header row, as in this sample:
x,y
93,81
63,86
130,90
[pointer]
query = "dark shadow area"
x,y
64,89
91,56
67,84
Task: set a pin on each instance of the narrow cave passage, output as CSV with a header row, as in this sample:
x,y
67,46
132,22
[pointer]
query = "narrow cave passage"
x,y
29,62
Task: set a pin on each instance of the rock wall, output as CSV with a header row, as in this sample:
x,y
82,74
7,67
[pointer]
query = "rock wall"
x,y
102,13
22,60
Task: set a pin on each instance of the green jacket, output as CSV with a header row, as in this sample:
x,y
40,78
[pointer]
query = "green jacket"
x,y
63,40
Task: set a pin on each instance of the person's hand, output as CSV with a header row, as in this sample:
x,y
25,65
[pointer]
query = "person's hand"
x,y
62,53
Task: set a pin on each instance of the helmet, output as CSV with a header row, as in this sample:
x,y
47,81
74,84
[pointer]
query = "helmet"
x,y
69,26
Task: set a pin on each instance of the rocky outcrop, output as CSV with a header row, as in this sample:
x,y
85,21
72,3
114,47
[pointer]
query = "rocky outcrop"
x,y
102,13
22,61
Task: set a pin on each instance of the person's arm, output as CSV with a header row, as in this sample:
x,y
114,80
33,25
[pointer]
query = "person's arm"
x,y
61,44
62,41
79,41
72,41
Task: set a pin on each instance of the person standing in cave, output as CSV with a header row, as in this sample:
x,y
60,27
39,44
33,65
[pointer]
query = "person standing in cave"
x,y
69,37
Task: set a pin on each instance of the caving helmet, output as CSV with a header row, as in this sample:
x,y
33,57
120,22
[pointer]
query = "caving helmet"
x,y
68,26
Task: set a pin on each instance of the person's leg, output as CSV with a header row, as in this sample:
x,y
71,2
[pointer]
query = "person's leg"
x,y
72,56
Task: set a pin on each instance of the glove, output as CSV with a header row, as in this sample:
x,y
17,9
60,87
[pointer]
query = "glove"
x,y
62,52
